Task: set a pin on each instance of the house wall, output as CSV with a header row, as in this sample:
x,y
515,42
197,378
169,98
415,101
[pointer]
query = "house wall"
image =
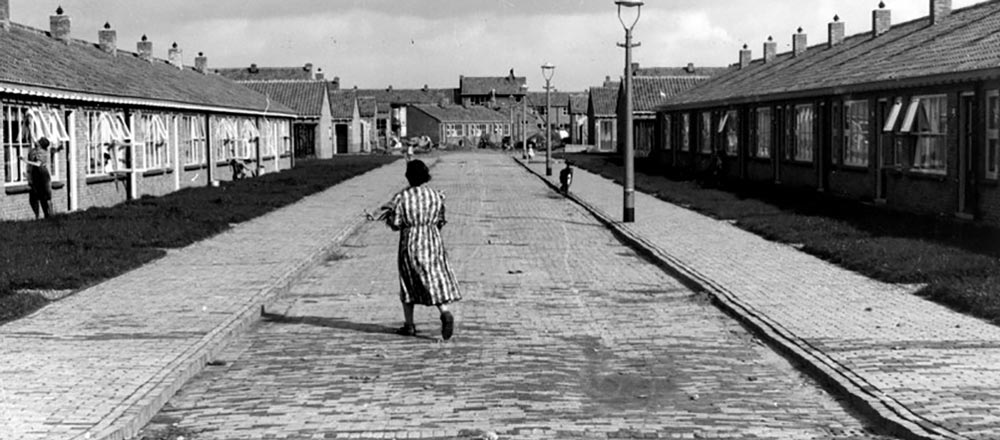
x,y
101,188
419,123
906,186
324,131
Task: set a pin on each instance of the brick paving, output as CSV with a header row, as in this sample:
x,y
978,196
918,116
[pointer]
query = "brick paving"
x,y
100,363
912,363
564,333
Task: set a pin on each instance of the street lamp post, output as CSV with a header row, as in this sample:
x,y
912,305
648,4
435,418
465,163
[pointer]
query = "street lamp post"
x,y
523,125
628,214
547,71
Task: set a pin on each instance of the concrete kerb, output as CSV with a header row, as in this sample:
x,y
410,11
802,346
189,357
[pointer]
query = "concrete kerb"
x,y
864,397
150,399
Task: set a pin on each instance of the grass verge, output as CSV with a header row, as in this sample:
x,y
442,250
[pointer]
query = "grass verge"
x,y
958,262
76,250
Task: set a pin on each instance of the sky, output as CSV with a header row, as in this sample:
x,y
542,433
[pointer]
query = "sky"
x,y
412,43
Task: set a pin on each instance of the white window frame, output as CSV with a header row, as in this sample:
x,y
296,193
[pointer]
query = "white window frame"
x,y
922,144
705,144
155,137
109,136
667,135
686,132
729,125
805,133
34,122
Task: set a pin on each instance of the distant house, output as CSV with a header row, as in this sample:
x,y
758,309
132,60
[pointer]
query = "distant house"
x,y
487,90
559,102
602,117
650,87
301,89
123,124
391,105
345,115
368,113
578,133
457,125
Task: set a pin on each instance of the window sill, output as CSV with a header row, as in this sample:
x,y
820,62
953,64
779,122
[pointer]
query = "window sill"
x,y
104,178
285,155
852,168
22,188
159,172
917,175
195,167
990,182
797,163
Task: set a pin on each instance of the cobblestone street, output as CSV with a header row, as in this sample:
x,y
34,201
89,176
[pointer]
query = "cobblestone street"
x,y
564,332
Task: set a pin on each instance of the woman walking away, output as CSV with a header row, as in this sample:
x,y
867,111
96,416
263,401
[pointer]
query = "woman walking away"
x,y
425,277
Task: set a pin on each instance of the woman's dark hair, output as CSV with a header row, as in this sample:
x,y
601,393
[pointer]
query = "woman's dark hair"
x,y
417,172
43,143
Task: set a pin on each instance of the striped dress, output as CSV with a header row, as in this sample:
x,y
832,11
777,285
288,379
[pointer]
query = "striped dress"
x,y
424,274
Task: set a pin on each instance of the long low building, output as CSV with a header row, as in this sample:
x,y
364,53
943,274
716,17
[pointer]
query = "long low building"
x,y
123,124
905,115
447,124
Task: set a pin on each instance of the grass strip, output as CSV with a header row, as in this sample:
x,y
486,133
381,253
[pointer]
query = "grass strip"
x,y
958,262
79,249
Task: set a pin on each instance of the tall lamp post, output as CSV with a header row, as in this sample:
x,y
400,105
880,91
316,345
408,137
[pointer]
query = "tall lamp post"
x,y
523,124
628,215
547,71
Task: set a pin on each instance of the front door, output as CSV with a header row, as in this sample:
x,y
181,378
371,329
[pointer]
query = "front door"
x,y
340,133
966,171
305,140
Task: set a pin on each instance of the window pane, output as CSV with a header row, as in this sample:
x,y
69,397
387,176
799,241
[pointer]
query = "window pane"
x,y
706,133
667,141
930,125
686,132
732,135
856,133
804,133
764,132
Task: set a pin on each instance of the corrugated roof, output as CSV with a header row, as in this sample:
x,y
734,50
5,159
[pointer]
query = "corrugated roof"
x,y
650,91
457,113
342,103
604,100
367,106
965,41
690,70
304,97
559,99
256,73
29,57
484,85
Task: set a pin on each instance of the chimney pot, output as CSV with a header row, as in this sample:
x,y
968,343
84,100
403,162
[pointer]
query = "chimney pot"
x,y
770,50
319,74
308,67
145,49
108,39
881,20
201,62
799,43
176,56
746,56
835,32
253,68
939,10
635,69
60,25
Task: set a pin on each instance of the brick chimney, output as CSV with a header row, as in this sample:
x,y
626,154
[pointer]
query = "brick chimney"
x,y
881,20
201,62
145,49
799,43
770,50
425,89
59,25
108,39
253,68
635,68
176,56
689,68
335,84
939,10
746,56
308,68
835,32
4,14
319,75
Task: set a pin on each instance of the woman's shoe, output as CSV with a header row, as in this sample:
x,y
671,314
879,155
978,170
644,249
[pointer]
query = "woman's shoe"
x,y
407,330
447,325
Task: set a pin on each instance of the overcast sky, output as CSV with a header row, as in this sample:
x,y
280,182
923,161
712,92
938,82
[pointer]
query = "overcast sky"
x,y
409,43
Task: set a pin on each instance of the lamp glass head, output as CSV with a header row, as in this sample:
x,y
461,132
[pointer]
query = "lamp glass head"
x,y
629,3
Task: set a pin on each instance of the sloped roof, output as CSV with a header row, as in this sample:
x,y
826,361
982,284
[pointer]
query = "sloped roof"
x,y
342,103
304,97
604,100
916,51
458,113
559,99
650,91
30,58
388,97
484,85
690,70
367,106
578,102
256,73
